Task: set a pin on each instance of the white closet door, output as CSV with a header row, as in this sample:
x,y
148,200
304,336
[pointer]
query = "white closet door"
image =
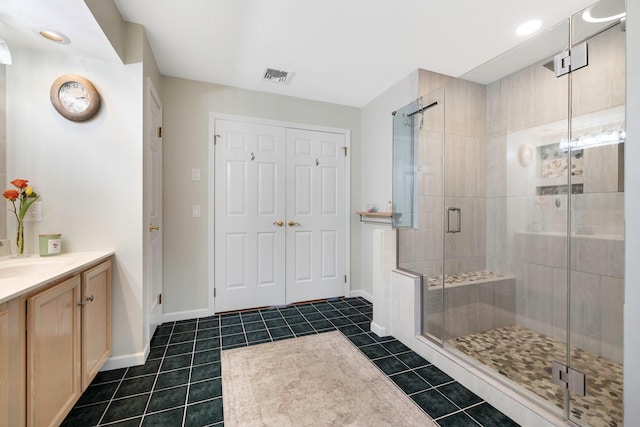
x,y
315,215
249,202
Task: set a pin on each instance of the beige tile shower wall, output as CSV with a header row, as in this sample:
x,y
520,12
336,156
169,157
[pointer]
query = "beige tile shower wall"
x,y
470,308
602,84
465,175
461,128
420,250
464,140
534,97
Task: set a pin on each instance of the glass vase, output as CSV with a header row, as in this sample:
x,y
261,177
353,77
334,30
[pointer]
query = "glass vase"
x,y
20,238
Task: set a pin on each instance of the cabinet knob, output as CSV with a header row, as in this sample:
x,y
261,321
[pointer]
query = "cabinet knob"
x,y
90,298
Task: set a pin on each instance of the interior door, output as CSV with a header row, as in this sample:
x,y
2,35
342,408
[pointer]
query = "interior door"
x,y
315,215
249,246
153,190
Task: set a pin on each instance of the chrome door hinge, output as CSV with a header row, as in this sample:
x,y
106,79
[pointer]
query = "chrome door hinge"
x,y
215,139
214,292
160,132
345,150
345,278
567,377
571,60
159,298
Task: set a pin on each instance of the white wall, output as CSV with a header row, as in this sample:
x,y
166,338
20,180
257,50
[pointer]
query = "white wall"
x,y
89,174
632,213
186,108
376,163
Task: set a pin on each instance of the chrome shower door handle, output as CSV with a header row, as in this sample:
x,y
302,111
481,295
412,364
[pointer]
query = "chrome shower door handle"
x,y
457,218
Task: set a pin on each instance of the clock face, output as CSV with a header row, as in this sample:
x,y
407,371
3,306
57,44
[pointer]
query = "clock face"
x,y
74,97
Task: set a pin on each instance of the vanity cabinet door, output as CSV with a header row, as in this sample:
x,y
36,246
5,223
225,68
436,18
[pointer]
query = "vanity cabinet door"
x,y
4,364
96,320
53,353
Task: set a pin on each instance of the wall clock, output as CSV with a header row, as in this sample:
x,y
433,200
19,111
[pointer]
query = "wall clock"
x,y
75,97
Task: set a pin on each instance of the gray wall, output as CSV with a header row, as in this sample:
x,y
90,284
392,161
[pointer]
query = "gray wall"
x,y
186,108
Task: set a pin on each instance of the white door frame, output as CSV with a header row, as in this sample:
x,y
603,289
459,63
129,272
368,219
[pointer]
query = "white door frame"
x,y
211,196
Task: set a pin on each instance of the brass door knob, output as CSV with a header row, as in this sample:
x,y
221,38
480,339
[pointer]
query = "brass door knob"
x,y
153,227
278,223
292,223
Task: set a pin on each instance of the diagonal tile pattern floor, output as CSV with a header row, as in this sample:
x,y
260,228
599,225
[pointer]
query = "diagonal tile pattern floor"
x,y
180,384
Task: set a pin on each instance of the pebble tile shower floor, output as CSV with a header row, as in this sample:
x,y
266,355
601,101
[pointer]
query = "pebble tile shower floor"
x,y
180,384
525,357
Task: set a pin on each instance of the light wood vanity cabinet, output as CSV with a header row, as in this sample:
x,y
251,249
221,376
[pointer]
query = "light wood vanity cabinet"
x,y
67,340
96,320
4,364
53,353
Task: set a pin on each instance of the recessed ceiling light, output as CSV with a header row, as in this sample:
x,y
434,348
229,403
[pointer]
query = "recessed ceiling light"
x,y
55,36
529,27
587,16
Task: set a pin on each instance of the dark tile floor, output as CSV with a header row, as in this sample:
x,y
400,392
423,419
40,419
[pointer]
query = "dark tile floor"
x,y
180,384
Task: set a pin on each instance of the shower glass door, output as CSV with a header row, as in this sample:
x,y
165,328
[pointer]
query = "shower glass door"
x,y
405,146
464,209
506,303
596,277
430,169
418,147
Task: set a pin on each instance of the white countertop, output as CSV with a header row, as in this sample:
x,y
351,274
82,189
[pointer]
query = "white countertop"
x,y
22,275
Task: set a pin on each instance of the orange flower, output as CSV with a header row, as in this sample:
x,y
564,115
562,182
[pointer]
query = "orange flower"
x,y
20,183
11,194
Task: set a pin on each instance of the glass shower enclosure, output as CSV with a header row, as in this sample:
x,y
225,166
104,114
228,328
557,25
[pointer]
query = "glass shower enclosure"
x,y
509,203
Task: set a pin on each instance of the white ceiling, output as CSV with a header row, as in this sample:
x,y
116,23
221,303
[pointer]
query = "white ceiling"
x,y
341,51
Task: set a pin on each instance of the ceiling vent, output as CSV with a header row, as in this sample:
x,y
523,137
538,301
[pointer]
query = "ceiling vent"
x,y
276,76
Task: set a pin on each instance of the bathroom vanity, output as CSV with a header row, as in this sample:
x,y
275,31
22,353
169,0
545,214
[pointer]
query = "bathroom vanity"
x,y
55,333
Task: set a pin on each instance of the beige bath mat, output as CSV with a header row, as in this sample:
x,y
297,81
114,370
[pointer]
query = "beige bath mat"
x,y
316,380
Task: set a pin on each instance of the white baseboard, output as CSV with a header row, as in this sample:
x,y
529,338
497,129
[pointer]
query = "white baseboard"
x,y
127,360
360,293
378,330
185,315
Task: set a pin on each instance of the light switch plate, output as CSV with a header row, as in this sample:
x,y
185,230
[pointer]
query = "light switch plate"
x,y
195,211
195,174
